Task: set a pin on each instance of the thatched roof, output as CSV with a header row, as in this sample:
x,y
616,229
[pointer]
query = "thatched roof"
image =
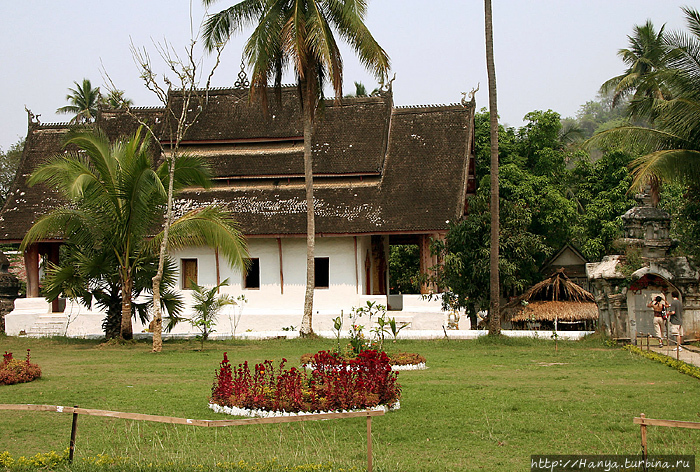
x,y
561,311
554,298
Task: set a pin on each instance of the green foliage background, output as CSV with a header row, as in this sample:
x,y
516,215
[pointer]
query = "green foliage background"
x,y
552,193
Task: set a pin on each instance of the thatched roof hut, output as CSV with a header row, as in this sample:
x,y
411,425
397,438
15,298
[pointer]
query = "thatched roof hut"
x,y
556,298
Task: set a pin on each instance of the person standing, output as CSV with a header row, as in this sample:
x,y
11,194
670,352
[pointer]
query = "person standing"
x,y
658,304
676,312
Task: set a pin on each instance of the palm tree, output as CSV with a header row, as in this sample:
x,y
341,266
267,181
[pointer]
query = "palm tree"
x,y
494,280
89,274
116,100
647,53
84,101
207,305
361,91
671,142
300,33
115,196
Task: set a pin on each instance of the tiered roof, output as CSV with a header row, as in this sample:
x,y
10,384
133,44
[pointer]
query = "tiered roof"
x,y
377,169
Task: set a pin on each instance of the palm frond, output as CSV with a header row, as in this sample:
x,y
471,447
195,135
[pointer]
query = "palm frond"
x,y
692,18
64,280
211,226
219,27
60,223
190,171
321,43
298,33
669,165
348,18
639,138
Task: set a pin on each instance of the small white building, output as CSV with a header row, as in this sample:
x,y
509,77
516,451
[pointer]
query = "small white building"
x,y
383,175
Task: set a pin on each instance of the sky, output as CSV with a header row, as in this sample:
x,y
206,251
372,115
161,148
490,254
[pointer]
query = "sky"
x,y
549,54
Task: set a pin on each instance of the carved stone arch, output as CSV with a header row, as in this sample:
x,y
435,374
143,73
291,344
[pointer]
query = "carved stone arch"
x,y
649,282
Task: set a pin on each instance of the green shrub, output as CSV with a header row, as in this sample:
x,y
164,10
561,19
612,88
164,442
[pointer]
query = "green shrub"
x,y
47,461
679,365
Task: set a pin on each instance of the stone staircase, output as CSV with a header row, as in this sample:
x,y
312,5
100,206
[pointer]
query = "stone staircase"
x,y
49,324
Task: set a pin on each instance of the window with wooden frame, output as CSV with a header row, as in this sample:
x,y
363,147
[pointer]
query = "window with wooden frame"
x,y
189,273
252,277
322,272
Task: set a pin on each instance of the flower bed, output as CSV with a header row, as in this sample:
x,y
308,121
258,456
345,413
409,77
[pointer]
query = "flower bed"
x,y
14,371
406,359
398,361
332,384
420,366
257,413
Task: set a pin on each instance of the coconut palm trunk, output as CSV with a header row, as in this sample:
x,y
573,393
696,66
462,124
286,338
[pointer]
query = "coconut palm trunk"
x,y
299,33
126,331
494,281
306,321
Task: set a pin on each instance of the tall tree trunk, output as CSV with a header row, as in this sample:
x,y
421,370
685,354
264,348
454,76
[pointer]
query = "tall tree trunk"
x,y
306,321
494,281
157,345
127,288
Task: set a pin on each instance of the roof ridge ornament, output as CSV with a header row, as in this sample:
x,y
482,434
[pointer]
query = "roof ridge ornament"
x,y
242,81
31,117
471,94
387,87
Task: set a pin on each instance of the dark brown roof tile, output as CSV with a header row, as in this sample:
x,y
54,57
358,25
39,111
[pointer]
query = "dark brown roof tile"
x,y
377,169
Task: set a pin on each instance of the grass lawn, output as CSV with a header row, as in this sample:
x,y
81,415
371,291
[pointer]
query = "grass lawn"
x,y
481,405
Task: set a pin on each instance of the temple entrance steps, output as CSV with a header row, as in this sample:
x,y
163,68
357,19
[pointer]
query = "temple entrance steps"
x,y
49,324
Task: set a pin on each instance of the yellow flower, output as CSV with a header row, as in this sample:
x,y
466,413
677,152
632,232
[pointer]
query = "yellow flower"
x,y
6,459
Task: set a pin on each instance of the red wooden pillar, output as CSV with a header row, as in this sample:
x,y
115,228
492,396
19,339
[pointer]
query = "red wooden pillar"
x,y
426,261
31,264
53,259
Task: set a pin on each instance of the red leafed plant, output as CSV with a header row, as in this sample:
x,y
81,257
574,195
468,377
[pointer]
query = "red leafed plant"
x,y
13,371
333,384
223,385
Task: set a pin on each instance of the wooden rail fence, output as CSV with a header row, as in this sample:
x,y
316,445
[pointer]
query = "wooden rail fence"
x,y
75,411
643,422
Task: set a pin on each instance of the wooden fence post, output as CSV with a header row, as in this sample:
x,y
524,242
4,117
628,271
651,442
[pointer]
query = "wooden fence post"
x,y
369,443
73,432
644,439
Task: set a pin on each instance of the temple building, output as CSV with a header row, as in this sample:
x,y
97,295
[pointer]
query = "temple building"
x,y
383,176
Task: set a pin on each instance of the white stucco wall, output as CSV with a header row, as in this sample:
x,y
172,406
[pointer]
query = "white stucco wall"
x,y
278,299
270,308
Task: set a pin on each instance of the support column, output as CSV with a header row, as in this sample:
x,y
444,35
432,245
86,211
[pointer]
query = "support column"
x,y
380,266
368,274
53,259
279,249
427,261
31,264
357,277
218,269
